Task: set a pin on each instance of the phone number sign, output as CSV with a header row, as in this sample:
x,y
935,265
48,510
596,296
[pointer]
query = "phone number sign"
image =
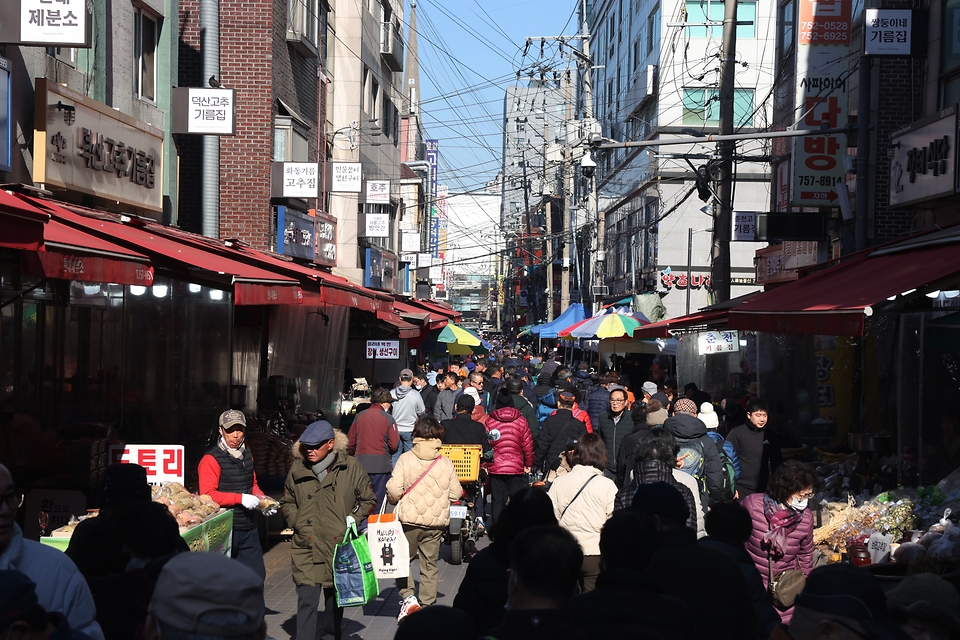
x,y
163,462
383,349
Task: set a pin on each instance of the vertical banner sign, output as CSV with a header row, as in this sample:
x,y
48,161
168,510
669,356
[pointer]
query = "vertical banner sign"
x,y
823,48
433,157
744,226
442,223
378,191
783,184
5,108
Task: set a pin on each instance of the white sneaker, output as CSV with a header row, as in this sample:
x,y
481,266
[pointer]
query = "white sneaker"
x,y
408,606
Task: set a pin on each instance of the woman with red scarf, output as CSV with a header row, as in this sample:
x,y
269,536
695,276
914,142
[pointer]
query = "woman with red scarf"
x,y
782,536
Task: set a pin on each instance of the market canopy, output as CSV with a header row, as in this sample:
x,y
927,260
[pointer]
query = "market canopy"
x,y
571,315
836,300
619,323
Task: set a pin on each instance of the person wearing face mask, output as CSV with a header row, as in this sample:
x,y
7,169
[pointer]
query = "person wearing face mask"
x,y
226,474
782,536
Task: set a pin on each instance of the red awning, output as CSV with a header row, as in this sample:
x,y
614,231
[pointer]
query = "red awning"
x,y
405,329
663,328
21,222
175,250
71,254
435,308
835,301
246,294
420,316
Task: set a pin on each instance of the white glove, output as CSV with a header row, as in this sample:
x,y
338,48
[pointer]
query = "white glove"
x,y
249,501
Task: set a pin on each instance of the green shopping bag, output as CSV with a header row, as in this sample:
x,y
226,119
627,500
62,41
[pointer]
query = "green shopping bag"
x,y
353,574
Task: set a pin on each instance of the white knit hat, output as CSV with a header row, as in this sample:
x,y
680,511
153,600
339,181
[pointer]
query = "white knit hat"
x,y
708,416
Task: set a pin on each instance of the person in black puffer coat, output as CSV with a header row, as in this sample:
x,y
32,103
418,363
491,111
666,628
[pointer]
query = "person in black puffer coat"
x,y
656,458
556,431
702,459
484,589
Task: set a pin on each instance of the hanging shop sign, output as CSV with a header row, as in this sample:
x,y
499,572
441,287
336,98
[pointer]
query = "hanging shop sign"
x,y
744,226
294,233
410,242
204,111
783,185
924,159
378,191
325,234
383,349
710,342
163,462
376,225
823,49
84,145
47,23
389,275
888,32
294,179
346,177
6,106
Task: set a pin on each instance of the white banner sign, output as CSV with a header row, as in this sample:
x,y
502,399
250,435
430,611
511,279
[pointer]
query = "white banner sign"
x,y
744,226
301,179
710,342
49,22
346,177
211,111
383,349
887,32
424,260
378,191
378,225
410,242
436,275
163,462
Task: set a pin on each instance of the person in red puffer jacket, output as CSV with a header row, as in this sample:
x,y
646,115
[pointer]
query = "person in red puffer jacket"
x,y
512,443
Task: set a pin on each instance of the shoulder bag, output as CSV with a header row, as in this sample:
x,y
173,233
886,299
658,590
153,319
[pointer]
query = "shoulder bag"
x,y
564,512
785,586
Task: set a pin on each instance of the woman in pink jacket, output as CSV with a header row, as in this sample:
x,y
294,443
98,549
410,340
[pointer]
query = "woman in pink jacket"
x,y
782,536
512,443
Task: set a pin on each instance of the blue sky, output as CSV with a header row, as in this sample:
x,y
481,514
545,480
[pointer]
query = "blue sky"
x,y
470,51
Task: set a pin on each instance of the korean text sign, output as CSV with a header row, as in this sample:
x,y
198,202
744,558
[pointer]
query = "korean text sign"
x,y
710,342
383,349
163,462
210,111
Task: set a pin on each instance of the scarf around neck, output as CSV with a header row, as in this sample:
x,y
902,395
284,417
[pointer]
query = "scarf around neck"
x,y
321,468
236,453
780,519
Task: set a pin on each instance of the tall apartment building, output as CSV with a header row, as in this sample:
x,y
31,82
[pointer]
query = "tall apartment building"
x,y
656,74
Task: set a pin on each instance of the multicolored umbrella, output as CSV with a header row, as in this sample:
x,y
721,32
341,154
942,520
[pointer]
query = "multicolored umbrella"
x,y
453,333
608,325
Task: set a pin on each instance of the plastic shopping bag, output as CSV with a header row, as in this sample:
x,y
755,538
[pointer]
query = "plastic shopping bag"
x,y
353,575
389,551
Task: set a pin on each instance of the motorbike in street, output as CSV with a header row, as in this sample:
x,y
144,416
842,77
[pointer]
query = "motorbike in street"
x,y
465,529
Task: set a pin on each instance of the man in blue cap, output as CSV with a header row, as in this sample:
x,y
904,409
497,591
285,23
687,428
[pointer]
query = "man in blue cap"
x,y
324,486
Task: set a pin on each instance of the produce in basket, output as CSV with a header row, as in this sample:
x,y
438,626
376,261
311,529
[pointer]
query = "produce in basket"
x,y
189,509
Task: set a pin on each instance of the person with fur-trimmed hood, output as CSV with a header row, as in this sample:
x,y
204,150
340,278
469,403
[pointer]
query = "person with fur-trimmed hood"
x,y
324,486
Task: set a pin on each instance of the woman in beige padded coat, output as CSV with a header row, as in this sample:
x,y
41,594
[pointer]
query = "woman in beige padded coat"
x,y
423,485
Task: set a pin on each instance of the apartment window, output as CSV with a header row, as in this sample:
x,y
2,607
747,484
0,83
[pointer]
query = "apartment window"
x,y
950,54
653,29
712,11
364,79
145,55
784,29
521,126
374,97
303,19
289,140
701,106
67,55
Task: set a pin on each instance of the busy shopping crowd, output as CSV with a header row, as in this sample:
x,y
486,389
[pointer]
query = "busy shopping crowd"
x,y
607,504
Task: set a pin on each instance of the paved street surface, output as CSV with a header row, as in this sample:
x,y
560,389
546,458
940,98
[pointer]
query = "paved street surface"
x,y
375,621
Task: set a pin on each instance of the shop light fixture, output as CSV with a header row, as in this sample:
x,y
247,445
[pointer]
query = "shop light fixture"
x,y
137,290
933,295
194,288
216,294
892,298
950,295
907,292
159,291
91,289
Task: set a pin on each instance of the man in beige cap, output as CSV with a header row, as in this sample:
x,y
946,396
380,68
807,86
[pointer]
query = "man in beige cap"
x,y
226,474
203,595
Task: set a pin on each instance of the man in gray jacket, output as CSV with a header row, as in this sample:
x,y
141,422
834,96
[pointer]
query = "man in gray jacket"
x,y
407,408
445,408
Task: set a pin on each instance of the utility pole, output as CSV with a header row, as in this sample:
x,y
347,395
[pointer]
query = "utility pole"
x,y
594,210
863,152
567,236
528,258
720,275
548,212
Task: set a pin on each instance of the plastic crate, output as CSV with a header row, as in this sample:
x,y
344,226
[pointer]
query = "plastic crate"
x,y
465,459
